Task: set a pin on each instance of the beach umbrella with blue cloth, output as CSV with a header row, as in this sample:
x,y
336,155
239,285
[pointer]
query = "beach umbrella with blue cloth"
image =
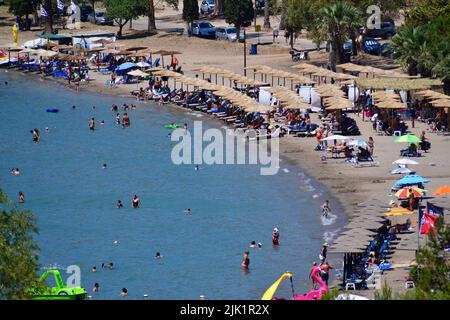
x,y
126,66
411,180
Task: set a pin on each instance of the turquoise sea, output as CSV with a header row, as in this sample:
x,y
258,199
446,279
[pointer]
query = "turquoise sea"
x,y
74,200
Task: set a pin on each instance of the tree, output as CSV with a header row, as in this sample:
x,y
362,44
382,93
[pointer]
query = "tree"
x,y
18,251
20,8
239,12
190,12
432,274
49,18
425,11
151,26
267,5
123,11
336,20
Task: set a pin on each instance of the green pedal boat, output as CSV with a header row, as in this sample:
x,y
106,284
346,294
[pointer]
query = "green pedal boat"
x,y
60,291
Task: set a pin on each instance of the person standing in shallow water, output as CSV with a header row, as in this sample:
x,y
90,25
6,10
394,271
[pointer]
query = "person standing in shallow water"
x,y
136,202
21,197
125,120
92,124
245,261
275,237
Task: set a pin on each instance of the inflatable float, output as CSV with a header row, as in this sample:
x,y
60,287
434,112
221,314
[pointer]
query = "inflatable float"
x,y
312,295
172,126
52,110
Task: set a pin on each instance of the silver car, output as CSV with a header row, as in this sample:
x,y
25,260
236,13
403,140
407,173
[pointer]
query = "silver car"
x,y
207,6
228,33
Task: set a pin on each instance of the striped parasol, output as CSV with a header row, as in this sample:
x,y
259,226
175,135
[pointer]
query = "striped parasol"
x,y
404,193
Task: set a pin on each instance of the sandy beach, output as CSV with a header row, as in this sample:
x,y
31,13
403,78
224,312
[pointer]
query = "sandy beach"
x,y
350,185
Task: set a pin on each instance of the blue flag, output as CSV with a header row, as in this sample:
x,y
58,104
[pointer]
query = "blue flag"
x,y
43,12
60,5
434,210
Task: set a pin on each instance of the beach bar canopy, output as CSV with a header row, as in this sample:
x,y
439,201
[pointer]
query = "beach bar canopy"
x,y
397,83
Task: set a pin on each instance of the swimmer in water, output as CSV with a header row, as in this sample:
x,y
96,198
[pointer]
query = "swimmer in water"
x,y
92,124
133,107
158,255
21,197
119,204
118,119
197,167
136,202
93,107
187,210
102,122
46,129
6,83
125,120
15,171
185,127
124,292
96,287
94,269
326,208
104,166
73,107
253,244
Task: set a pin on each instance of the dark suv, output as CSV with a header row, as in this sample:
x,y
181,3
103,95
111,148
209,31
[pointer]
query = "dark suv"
x,y
386,31
84,12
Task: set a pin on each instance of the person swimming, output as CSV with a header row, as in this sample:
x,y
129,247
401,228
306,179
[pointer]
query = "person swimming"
x,y
102,122
118,119
158,255
119,204
92,124
46,129
187,210
94,269
93,107
96,287
73,107
253,244
114,108
197,167
124,292
15,171
104,166
136,202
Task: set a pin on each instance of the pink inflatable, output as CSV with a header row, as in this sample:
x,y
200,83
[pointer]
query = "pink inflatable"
x,y
314,294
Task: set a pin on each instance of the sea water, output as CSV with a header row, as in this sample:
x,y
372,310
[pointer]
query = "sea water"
x,y
74,200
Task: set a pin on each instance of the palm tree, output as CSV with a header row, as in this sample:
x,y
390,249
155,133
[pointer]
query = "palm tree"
x,y
338,20
410,44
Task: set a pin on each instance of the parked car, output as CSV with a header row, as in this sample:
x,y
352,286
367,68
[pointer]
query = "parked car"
x,y
259,4
100,18
203,29
387,51
371,46
85,10
228,33
207,6
386,31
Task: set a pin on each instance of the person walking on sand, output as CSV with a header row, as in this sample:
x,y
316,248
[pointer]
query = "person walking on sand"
x,y
245,261
275,35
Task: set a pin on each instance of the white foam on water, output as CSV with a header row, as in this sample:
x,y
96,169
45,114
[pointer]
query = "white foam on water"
x,y
308,188
285,170
328,220
329,236
315,196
